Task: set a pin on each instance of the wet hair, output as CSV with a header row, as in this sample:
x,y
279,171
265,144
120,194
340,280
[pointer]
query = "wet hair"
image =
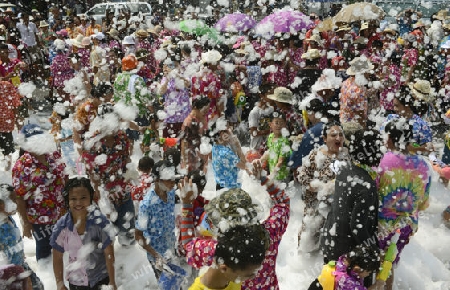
x,y
367,258
328,126
173,155
200,102
404,96
146,164
242,246
266,88
316,105
77,181
198,177
365,147
400,132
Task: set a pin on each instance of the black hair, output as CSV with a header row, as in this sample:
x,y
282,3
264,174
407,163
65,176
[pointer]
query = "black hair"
x,y
404,96
365,147
3,46
6,187
312,62
400,132
200,102
242,246
101,90
366,258
198,177
77,181
266,88
316,105
377,43
146,164
328,126
173,155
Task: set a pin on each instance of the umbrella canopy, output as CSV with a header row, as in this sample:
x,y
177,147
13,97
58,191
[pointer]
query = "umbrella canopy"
x,y
194,26
235,22
283,21
359,12
326,25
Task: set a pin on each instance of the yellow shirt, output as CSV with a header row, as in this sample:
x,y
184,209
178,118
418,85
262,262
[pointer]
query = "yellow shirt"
x,y
198,285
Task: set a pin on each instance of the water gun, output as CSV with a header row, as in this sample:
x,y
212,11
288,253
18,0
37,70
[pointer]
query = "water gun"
x,y
326,277
240,99
390,256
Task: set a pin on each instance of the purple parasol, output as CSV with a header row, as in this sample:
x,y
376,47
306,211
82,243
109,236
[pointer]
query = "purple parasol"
x,y
284,21
235,22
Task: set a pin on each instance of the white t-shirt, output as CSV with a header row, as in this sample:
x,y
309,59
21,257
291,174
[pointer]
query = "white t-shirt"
x,y
28,33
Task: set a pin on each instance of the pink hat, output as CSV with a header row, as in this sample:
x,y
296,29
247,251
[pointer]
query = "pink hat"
x,y
62,32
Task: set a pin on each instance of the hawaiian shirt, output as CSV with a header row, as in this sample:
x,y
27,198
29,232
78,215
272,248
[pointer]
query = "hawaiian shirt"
x,y
409,60
133,94
421,130
279,148
40,186
177,103
224,161
11,245
156,219
9,101
112,170
353,98
388,94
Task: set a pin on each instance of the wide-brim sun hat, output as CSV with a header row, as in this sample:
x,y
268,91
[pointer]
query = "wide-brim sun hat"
x,y
113,33
360,65
343,28
312,53
421,90
43,24
327,81
78,41
142,33
282,95
316,38
211,57
98,36
86,41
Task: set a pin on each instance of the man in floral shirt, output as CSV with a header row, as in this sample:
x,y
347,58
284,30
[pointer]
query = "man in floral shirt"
x,y
38,178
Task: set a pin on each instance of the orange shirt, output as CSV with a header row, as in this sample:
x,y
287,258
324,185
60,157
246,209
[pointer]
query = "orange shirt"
x,y
93,30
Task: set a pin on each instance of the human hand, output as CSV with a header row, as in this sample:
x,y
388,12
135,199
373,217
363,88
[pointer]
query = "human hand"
x,y
27,230
187,190
257,168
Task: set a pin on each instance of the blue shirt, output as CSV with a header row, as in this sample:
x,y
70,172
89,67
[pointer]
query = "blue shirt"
x,y
156,219
11,246
224,162
99,233
421,131
311,139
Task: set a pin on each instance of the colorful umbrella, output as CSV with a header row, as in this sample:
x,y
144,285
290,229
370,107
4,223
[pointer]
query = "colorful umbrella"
x,y
235,22
360,11
283,21
194,26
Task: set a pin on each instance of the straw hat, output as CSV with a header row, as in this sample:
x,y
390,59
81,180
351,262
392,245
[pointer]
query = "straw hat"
x,y
359,65
441,15
421,90
155,30
78,41
114,34
364,26
142,33
43,23
86,41
9,10
282,95
312,53
446,26
211,57
343,28
390,31
418,24
316,38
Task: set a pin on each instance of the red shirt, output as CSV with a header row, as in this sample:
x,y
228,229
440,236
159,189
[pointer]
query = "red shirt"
x,y
9,101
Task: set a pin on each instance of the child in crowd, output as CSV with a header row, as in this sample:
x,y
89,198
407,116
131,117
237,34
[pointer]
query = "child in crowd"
x,y
353,267
155,225
227,157
11,245
279,148
86,234
145,180
235,261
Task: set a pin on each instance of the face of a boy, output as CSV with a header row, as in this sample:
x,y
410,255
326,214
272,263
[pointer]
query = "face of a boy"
x,y
79,201
277,125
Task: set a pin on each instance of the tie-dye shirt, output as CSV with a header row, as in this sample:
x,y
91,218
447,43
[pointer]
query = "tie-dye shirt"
x,y
403,185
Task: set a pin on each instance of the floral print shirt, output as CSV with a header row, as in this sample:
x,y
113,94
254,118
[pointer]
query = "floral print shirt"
x,y
279,148
61,70
421,130
393,81
177,104
40,186
9,101
352,99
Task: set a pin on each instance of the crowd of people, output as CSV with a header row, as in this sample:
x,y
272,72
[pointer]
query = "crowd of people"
x,y
347,115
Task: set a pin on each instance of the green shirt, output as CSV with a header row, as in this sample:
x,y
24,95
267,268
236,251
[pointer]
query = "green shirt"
x,y
279,148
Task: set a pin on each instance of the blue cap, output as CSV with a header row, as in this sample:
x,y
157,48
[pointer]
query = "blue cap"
x,y
31,130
